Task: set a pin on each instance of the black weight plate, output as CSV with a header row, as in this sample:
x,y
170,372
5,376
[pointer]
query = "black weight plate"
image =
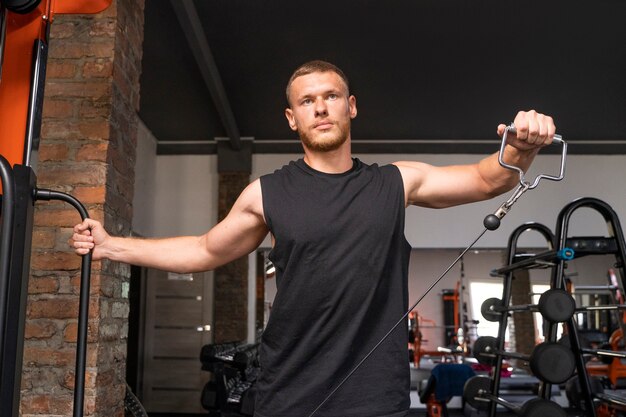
x,y
477,387
557,305
552,362
538,407
486,309
484,350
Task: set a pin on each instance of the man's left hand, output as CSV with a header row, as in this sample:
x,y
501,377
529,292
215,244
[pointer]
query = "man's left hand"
x,y
534,130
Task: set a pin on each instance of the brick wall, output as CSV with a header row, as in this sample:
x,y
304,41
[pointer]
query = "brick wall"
x,y
88,150
231,280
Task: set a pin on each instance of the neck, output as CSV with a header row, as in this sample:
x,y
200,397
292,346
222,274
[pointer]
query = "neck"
x,y
330,162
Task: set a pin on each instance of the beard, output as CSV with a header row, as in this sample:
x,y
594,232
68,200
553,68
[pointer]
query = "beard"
x,y
329,142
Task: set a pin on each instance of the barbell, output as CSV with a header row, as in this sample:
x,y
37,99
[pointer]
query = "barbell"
x,y
549,361
555,305
477,393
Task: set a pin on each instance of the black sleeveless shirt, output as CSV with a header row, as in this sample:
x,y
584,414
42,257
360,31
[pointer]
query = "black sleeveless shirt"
x,y
341,269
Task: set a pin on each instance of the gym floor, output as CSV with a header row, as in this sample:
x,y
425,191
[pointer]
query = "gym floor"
x,y
457,413
412,413
419,376
516,395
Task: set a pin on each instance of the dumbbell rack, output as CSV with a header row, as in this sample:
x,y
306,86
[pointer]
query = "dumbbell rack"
x,y
615,245
235,369
582,246
516,261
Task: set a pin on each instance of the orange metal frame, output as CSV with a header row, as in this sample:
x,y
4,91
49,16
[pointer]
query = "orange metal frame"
x,y
21,33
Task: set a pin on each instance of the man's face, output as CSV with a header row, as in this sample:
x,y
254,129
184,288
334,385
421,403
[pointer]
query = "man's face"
x,y
320,110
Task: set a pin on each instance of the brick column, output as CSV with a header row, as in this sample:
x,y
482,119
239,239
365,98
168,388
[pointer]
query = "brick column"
x,y
231,280
88,150
524,322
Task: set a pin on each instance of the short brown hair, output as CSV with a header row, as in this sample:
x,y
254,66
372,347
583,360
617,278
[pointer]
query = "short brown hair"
x,y
315,66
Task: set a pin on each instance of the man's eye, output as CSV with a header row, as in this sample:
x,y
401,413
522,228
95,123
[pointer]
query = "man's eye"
x,y
332,96
307,101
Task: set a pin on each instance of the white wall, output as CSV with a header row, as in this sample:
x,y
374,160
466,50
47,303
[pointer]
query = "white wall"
x,y
186,196
145,182
174,195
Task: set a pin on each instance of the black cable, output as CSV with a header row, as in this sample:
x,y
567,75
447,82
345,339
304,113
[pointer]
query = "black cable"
x,y
397,324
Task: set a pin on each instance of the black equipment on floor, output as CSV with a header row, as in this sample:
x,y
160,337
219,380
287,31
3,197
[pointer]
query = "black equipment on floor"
x,y
235,367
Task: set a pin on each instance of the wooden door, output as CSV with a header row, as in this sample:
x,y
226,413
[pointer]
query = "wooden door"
x,y
178,322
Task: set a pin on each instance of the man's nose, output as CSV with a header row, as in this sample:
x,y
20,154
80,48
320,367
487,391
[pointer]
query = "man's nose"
x,y
320,108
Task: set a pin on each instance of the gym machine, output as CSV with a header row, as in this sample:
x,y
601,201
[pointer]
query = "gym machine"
x,y
550,362
568,356
24,36
613,244
456,322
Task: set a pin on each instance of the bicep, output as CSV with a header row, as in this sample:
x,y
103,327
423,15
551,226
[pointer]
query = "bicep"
x,y
241,231
438,187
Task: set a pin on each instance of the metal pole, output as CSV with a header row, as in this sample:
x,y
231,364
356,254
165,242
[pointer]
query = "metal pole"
x,y
83,306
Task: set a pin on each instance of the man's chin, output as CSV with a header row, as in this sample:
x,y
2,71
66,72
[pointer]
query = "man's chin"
x,y
323,144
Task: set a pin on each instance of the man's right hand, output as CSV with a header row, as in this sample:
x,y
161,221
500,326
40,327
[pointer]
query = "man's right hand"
x,y
88,235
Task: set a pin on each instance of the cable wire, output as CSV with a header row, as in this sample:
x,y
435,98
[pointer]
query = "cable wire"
x,y
358,365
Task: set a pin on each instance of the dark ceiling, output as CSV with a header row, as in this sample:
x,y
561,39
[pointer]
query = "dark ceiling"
x,y
429,75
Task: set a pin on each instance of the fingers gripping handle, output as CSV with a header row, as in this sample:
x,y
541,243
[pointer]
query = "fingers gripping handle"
x,y
556,140
492,221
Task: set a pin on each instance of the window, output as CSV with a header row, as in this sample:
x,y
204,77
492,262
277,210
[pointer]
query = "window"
x,y
479,292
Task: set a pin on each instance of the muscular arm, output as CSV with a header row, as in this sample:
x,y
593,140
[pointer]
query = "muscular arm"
x,y
237,235
437,187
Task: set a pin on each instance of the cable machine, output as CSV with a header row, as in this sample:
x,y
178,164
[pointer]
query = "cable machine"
x,y
24,36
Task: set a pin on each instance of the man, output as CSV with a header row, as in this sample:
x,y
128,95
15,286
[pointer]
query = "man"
x,y
337,229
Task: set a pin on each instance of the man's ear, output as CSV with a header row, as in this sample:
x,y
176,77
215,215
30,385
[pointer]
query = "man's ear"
x,y
352,106
291,119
